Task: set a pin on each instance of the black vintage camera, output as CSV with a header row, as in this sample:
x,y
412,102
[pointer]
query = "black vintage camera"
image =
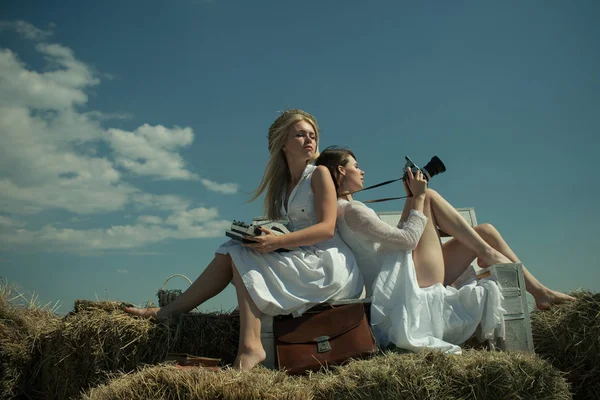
x,y
434,166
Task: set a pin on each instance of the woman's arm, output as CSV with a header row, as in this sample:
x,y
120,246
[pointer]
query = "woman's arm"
x,y
362,219
406,235
416,199
326,207
406,209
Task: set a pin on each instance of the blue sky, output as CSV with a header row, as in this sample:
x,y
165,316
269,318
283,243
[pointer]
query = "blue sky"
x,y
133,131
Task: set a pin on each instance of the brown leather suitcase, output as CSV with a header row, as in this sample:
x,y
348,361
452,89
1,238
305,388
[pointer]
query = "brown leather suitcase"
x,y
320,338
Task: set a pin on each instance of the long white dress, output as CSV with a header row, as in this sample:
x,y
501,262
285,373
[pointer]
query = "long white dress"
x,y
402,313
292,282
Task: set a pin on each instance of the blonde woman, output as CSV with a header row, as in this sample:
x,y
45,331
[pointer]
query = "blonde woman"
x,y
276,283
407,270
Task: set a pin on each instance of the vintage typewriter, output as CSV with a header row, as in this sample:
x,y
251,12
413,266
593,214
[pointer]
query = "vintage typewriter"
x,y
240,230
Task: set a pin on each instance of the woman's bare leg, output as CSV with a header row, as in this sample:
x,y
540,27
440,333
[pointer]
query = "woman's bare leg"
x,y
458,255
544,296
451,222
428,256
457,258
213,280
250,349
476,242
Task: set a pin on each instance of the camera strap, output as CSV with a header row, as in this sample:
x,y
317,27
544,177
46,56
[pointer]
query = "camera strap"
x,y
440,167
383,199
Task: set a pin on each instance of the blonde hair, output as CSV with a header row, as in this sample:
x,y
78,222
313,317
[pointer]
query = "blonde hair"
x,y
277,172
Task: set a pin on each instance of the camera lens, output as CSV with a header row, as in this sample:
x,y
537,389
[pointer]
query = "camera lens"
x,y
434,166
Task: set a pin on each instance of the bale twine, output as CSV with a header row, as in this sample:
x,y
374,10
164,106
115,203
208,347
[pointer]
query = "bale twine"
x,y
167,296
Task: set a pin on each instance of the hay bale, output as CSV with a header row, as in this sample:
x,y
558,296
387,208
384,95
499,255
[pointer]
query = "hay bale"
x,y
99,339
87,347
433,375
475,374
22,323
568,335
108,306
166,382
15,357
95,341
212,334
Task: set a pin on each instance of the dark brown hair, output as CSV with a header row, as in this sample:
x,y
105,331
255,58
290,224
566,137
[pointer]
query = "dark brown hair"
x,y
332,157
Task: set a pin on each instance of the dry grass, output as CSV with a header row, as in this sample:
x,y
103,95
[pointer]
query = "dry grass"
x,y
103,352
23,322
167,382
568,335
45,356
101,339
210,335
91,343
475,374
432,375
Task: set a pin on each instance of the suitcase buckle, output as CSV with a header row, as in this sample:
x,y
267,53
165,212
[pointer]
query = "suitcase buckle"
x,y
323,344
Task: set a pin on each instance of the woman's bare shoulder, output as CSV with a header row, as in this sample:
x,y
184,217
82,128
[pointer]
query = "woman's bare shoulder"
x,y
321,171
321,178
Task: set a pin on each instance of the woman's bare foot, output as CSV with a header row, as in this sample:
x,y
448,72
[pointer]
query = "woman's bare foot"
x,y
248,359
153,313
492,257
548,297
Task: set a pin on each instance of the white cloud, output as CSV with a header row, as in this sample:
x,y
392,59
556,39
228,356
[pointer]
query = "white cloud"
x,y
57,89
160,202
149,219
34,147
51,158
81,195
73,74
7,222
26,29
40,165
190,217
118,237
225,188
151,151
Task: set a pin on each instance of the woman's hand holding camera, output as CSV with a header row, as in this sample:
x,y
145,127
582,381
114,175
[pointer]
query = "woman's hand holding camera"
x,y
415,184
265,243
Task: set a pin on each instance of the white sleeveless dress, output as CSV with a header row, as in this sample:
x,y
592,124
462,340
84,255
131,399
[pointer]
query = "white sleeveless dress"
x,y
292,282
414,318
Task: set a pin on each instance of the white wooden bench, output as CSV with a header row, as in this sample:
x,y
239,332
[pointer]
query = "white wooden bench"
x,y
517,324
